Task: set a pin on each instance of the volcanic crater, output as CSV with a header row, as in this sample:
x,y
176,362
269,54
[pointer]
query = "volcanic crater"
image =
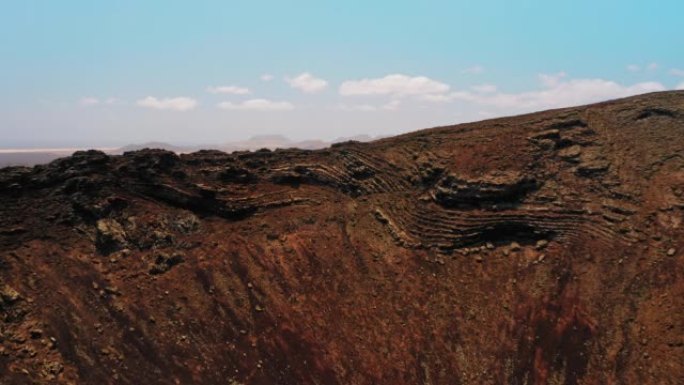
x,y
539,249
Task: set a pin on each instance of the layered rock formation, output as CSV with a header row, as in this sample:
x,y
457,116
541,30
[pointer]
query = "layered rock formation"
x,y
540,249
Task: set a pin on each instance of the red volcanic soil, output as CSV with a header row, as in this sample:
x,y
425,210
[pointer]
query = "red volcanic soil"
x,y
539,249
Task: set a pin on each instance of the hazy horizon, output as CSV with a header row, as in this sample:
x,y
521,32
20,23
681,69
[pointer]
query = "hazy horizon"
x,y
79,74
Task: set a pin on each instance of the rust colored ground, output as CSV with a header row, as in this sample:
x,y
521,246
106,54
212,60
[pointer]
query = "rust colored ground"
x,y
535,250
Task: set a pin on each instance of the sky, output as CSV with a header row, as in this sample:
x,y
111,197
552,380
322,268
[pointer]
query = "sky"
x,y
103,73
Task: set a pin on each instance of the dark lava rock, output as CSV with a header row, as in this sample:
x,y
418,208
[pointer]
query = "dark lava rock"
x,y
234,174
164,262
496,187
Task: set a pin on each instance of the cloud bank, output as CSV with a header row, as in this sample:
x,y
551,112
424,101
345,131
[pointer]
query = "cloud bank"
x,y
396,85
257,105
175,104
389,106
233,90
556,92
307,83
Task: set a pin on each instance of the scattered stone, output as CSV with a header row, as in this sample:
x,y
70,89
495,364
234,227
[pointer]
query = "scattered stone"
x,y
164,263
112,290
36,333
671,252
515,246
592,168
546,134
52,369
541,244
186,223
570,153
546,144
8,295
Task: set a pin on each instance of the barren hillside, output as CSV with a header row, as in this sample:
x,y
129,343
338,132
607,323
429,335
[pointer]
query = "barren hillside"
x,y
540,249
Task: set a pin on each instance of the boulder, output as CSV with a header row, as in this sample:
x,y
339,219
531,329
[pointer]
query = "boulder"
x,y
570,153
110,236
164,262
8,296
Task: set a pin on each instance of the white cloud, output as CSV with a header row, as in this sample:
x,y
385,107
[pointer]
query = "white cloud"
x,y
676,72
484,88
357,107
307,83
633,68
267,77
89,101
233,90
556,92
680,86
474,70
176,104
552,80
257,105
394,85
437,98
652,66
389,106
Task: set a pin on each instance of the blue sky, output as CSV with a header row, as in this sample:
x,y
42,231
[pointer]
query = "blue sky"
x,y
115,72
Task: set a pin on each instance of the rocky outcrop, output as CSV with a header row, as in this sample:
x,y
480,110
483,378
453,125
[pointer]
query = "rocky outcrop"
x,y
497,187
164,262
110,235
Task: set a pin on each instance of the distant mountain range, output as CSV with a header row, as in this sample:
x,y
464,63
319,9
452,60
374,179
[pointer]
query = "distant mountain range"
x,y
31,157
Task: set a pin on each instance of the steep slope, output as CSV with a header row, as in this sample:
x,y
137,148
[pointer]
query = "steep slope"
x,y
540,249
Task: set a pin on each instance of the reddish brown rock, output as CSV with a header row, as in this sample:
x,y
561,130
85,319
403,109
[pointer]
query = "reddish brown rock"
x,y
541,249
